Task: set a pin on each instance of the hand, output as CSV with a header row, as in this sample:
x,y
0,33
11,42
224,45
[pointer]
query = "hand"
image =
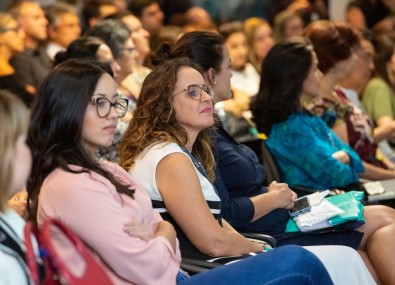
x,y
285,197
135,228
18,203
341,156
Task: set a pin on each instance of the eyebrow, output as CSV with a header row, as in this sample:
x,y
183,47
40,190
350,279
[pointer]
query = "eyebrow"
x,y
104,95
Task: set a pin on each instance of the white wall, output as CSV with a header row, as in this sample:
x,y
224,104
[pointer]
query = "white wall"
x,y
337,8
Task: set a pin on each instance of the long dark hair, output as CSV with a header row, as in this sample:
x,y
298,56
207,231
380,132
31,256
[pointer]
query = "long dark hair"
x,y
57,124
83,47
284,70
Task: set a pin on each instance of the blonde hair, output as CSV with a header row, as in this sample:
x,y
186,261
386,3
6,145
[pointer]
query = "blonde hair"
x,y
14,122
5,20
250,26
154,119
280,21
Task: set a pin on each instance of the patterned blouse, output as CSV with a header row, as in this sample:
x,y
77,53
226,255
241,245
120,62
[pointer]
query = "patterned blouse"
x,y
358,123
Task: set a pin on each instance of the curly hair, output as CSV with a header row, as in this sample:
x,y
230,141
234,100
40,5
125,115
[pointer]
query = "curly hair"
x,y
154,119
332,42
284,70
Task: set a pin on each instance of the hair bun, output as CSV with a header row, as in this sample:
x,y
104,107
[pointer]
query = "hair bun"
x,y
162,54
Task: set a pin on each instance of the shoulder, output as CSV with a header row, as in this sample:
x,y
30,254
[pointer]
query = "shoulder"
x,y
295,129
61,185
377,82
250,69
160,150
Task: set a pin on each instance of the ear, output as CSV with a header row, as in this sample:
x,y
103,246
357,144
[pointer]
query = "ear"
x,y
211,76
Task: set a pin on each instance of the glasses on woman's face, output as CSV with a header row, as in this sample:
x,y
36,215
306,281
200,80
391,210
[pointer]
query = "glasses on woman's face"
x,y
195,91
103,106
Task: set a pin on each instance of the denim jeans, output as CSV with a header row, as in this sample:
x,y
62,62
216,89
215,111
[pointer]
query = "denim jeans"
x,y
285,265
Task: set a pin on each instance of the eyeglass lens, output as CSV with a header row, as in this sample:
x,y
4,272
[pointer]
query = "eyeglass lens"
x,y
103,107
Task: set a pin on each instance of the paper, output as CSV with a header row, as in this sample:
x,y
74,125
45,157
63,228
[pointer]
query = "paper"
x,y
374,187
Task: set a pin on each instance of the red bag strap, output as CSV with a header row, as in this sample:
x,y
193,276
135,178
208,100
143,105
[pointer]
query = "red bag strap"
x,y
93,272
30,255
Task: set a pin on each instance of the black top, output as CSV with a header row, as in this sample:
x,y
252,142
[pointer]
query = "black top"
x,y
31,67
14,86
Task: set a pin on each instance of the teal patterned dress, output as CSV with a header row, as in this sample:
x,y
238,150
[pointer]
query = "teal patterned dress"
x,y
303,146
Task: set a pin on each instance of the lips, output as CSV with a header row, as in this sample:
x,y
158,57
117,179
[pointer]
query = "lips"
x,y
110,128
207,110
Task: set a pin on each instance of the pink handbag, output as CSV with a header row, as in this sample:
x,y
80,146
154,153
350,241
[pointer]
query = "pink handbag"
x,y
66,258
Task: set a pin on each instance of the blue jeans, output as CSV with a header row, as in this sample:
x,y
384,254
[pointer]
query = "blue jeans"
x,y
285,265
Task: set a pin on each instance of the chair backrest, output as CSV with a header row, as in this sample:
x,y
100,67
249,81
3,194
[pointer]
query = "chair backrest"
x,y
272,172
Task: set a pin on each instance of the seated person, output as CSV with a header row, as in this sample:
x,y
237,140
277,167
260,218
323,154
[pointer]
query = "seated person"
x,y
14,172
378,97
245,203
308,153
12,39
334,45
95,48
166,138
110,213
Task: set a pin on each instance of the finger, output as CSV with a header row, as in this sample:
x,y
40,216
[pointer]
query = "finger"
x,y
290,206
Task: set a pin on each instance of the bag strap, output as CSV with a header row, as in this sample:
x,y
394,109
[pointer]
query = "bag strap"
x,y
93,271
200,168
36,271
196,162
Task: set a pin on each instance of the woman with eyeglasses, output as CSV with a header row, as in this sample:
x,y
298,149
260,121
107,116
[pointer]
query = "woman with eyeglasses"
x,y
75,114
183,203
11,43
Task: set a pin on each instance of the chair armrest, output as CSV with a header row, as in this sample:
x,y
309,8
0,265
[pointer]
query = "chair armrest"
x,y
266,238
194,266
192,269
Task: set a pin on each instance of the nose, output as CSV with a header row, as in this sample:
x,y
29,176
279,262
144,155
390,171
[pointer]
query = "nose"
x,y
113,113
22,34
146,34
116,68
206,96
371,65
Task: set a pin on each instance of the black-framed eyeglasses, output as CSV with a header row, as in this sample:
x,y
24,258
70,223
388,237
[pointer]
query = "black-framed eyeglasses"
x,y
195,91
103,106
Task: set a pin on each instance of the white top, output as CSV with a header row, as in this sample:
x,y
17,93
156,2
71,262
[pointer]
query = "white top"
x,y
144,173
13,269
246,80
53,49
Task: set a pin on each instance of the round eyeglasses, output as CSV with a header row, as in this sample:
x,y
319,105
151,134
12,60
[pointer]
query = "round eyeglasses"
x,y
103,106
195,91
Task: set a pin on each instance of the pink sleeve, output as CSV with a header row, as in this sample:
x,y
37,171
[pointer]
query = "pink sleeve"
x,y
90,208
